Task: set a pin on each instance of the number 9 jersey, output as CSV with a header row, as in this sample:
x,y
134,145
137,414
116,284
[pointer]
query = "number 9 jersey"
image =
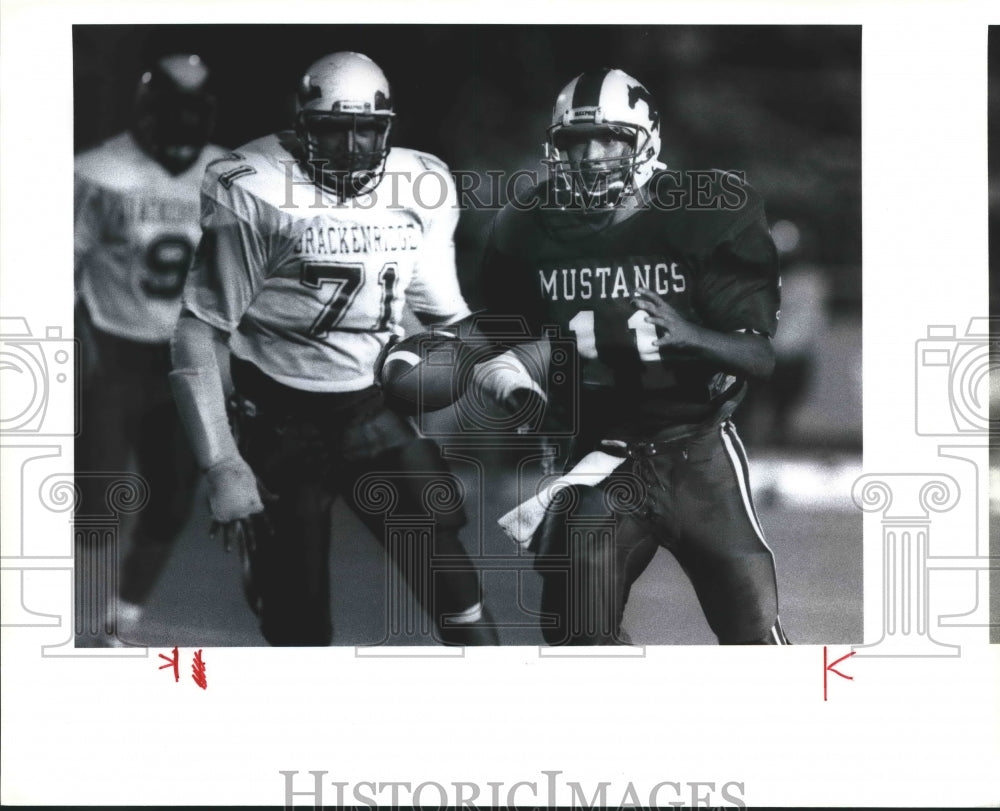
x,y
136,228
312,287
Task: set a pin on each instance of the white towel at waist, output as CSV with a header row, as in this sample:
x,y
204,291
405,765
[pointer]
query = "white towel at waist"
x,y
521,522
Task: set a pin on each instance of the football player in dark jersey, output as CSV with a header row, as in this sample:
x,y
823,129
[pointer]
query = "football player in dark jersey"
x,y
670,288
136,227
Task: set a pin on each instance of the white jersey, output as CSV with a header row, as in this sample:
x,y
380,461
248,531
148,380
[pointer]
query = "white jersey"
x,y
135,230
311,288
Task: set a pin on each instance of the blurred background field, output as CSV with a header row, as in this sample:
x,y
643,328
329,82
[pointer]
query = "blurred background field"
x,y
780,103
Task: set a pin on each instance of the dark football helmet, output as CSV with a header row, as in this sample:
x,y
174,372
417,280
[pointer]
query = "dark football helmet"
x,y
174,111
610,108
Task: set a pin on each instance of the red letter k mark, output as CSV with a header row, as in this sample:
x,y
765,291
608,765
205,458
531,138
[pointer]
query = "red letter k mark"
x,y
827,668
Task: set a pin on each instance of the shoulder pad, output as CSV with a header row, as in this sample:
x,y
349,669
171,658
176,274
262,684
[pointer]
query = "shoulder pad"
x,y
258,169
108,161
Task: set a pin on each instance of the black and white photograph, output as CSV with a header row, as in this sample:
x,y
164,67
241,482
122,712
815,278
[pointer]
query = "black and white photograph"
x,y
520,407
611,285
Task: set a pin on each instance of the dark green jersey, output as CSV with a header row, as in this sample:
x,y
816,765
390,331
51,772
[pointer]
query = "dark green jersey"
x,y
578,271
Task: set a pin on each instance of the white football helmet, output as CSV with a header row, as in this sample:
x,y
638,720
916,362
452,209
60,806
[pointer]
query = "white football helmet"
x,y
344,114
606,100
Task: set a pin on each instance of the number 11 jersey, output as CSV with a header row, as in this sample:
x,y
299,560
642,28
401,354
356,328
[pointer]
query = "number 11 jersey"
x,y
714,263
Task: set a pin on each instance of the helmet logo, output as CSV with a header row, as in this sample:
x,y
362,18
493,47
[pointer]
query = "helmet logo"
x,y
639,93
382,101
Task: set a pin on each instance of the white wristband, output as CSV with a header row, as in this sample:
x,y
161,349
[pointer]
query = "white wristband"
x,y
501,376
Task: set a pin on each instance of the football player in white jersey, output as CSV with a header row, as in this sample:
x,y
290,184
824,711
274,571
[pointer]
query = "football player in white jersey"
x,y
136,227
312,240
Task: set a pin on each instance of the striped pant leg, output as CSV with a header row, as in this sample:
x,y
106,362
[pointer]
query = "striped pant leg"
x,y
721,544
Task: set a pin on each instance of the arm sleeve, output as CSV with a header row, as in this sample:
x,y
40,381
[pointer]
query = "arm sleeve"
x,y
739,289
230,264
434,293
199,382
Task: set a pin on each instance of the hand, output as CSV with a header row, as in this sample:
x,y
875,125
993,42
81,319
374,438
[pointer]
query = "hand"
x,y
678,332
236,498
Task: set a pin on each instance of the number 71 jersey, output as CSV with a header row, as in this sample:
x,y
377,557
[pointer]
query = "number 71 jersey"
x,y
310,287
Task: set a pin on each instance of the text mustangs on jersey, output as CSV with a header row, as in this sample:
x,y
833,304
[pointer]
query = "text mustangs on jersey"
x,y
594,282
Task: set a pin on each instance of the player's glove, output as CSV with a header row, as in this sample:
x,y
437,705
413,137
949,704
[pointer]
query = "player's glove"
x,y
236,496
232,490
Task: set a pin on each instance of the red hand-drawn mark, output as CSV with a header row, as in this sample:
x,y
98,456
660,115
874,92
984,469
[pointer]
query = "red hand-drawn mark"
x,y
198,668
830,668
172,662
198,671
